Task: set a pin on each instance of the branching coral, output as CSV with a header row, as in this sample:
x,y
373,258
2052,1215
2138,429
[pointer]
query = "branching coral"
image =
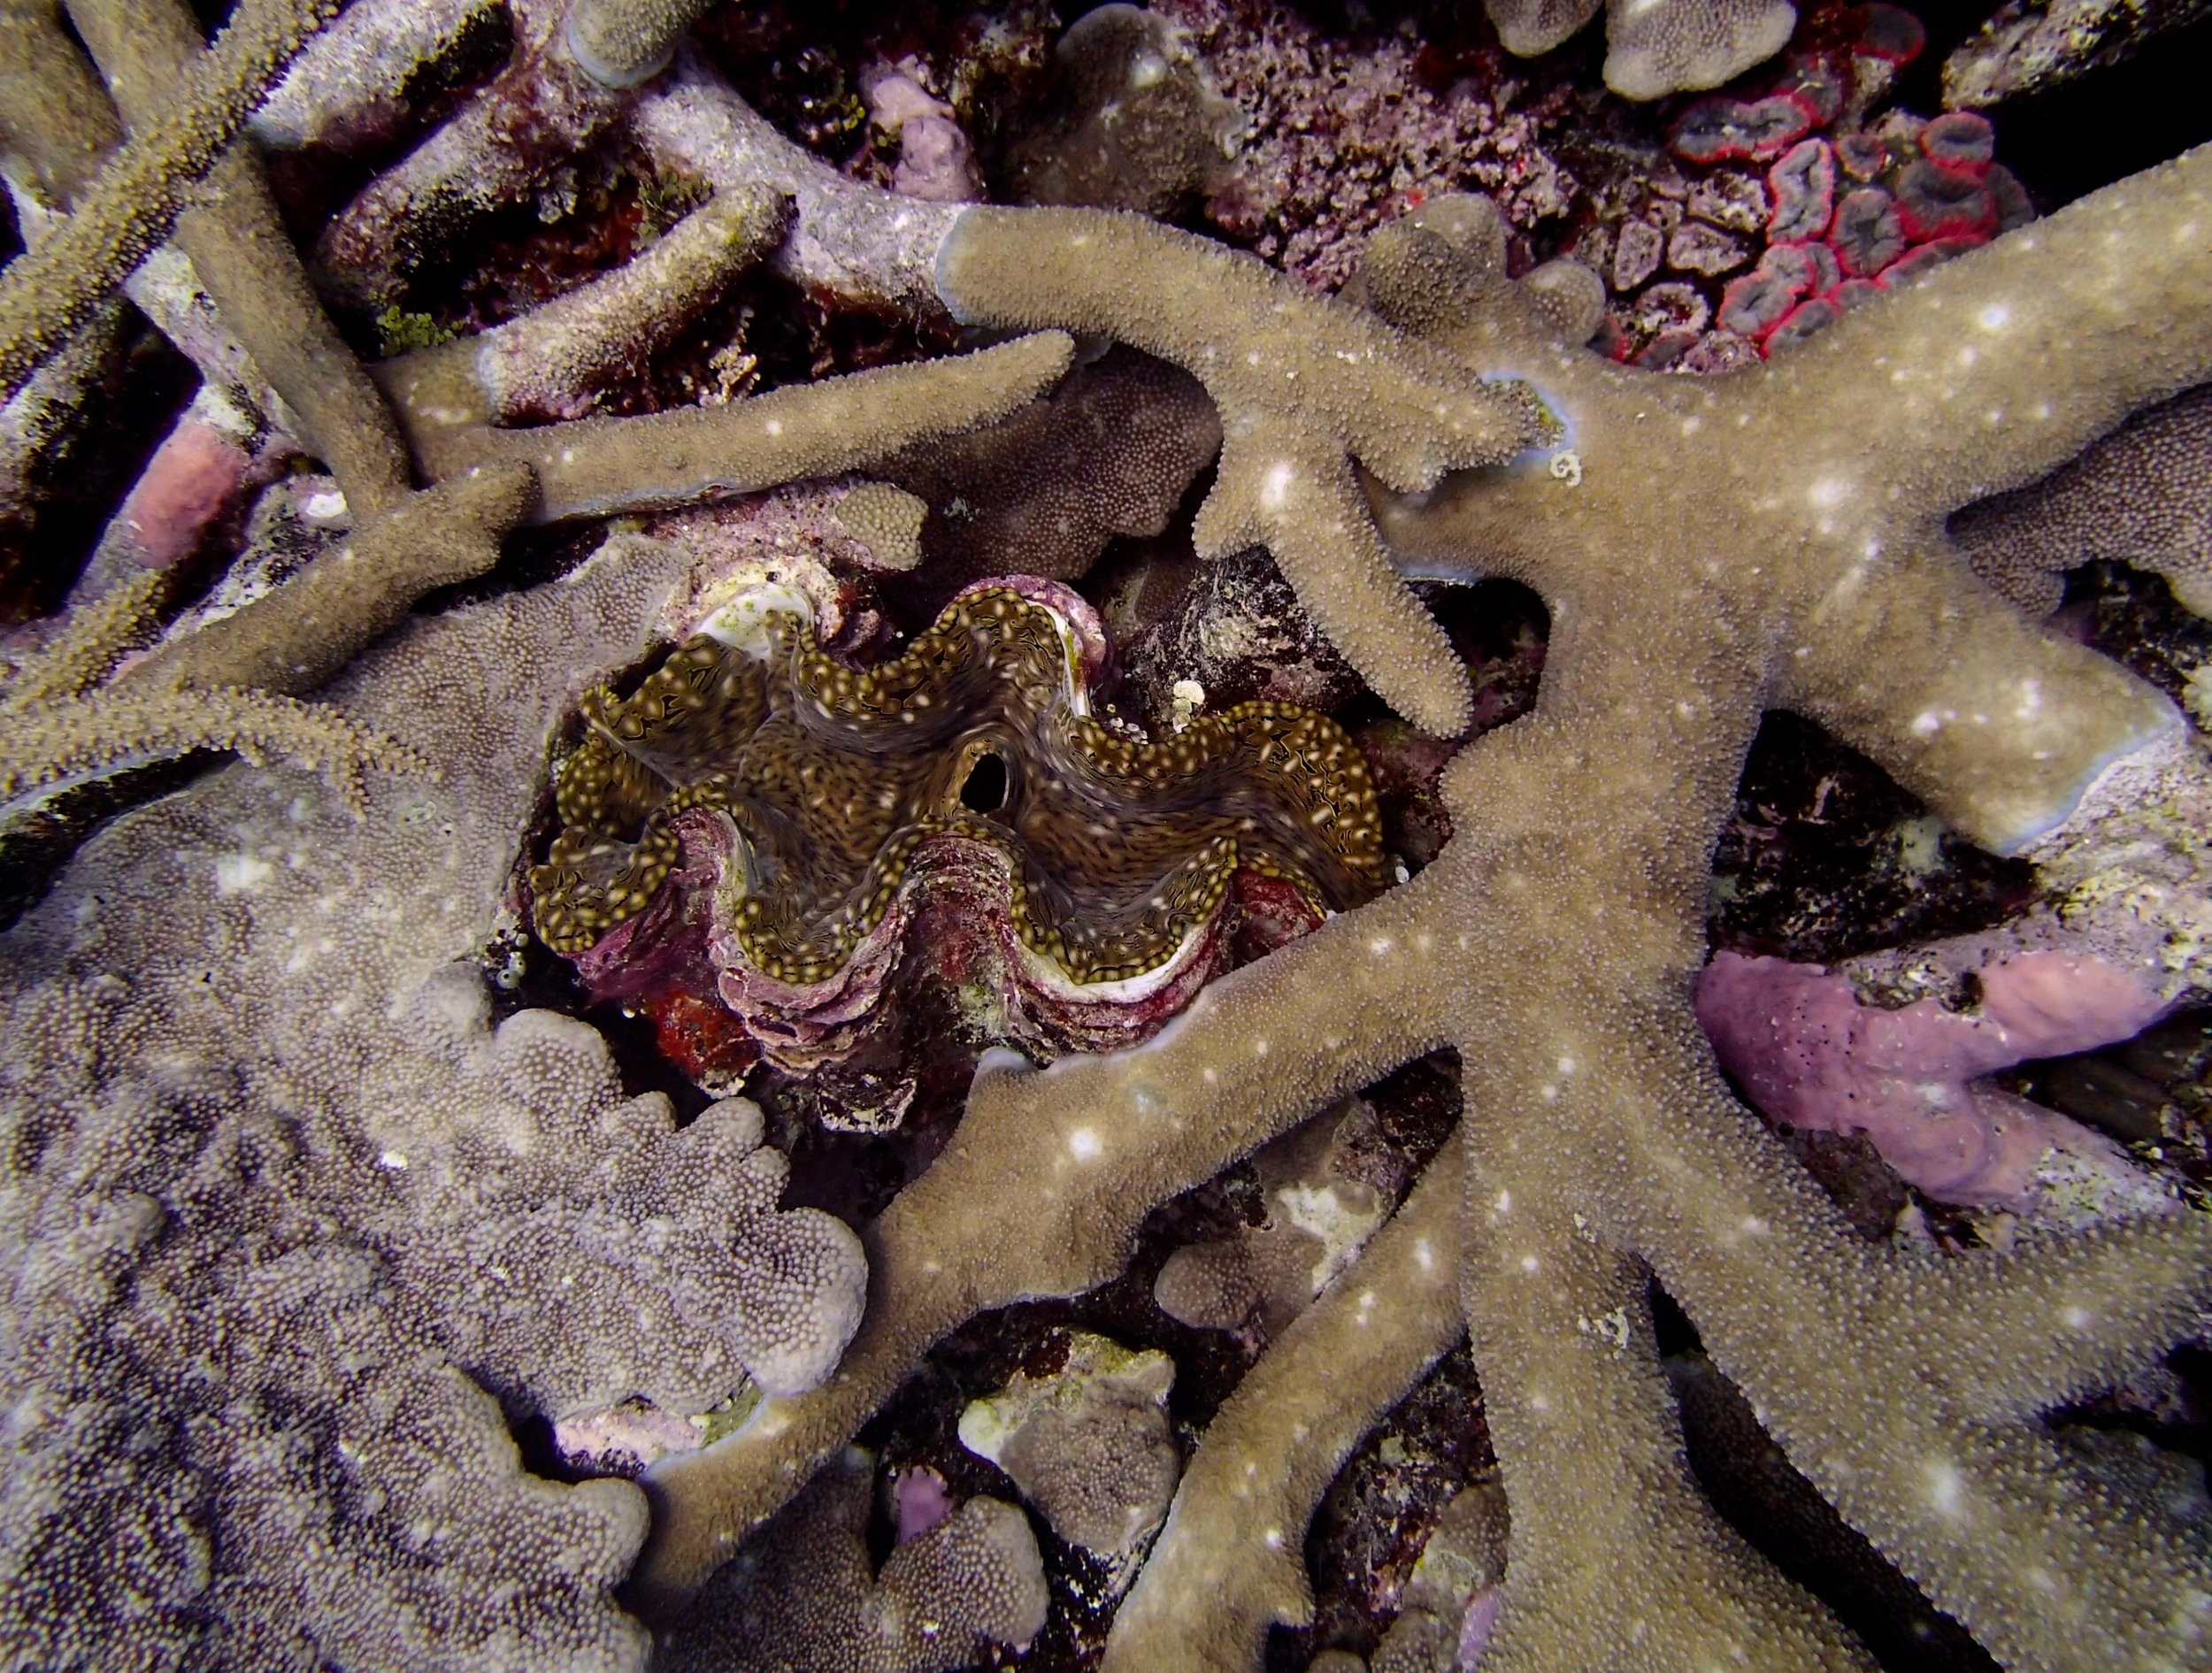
x,y
1819,564
53,289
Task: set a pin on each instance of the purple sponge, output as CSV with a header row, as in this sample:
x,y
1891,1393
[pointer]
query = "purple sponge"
x,y
1808,1053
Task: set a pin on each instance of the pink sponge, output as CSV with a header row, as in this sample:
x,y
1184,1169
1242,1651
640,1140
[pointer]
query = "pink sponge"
x,y
194,476
1809,1053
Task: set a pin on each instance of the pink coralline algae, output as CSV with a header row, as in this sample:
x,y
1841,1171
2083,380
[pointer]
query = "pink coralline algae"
x,y
762,845
194,477
1812,1053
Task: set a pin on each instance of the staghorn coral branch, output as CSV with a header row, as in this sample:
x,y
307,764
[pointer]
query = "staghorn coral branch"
x,y
55,124
89,643
1284,488
50,291
1608,1543
593,467
1998,725
1303,384
574,73
2002,366
227,685
241,253
349,82
846,239
551,360
49,749
1229,1564
297,637
624,43
2047,1576
1090,1146
2067,1318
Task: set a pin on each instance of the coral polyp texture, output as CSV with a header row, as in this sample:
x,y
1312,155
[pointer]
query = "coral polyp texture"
x,y
378,1296
818,809
1655,47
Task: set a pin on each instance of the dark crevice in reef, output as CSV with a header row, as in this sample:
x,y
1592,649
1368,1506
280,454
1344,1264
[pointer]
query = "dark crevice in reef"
x,y
2130,616
1375,1520
1826,857
1783,1516
521,974
72,488
35,850
2085,134
527,557
1373,1524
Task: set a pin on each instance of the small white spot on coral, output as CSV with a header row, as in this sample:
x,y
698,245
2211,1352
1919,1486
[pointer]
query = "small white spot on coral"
x,y
1566,1065
1083,1144
1993,316
1529,1263
1505,1203
391,1158
1275,486
1827,492
237,873
1945,1487
1424,1256
2077,1318
1378,946
1926,724
774,426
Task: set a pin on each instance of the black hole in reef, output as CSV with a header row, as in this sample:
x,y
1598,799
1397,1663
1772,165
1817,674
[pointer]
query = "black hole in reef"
x,y
985,791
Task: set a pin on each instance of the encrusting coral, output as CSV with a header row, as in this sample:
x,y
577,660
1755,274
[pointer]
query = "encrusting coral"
x,y
294,1226
2142,494
1655,47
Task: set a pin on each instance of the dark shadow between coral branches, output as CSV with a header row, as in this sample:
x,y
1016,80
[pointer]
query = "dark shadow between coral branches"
x,y
1782,1516
1825,857
2086,133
